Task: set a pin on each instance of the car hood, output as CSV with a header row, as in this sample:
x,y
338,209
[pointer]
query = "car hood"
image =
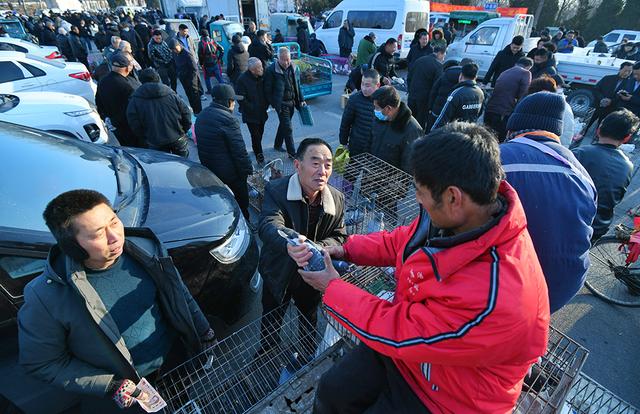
x,y
186,200
45,102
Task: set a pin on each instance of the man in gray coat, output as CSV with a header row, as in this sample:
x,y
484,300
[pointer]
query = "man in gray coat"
x,y
108,309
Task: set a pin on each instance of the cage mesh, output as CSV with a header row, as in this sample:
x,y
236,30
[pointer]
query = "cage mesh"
x,y
589,397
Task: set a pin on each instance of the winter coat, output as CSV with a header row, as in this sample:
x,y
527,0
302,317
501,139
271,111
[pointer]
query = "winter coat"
x,y
442,42
416,52
505,59
566,46
144,33
366,48
610,169
186,65
158,114
48,37
159,54
442,89
189,41
112,98
512,85
465,103
302,37
356,127
68,339
345,38
262,51
316,47
383,63
78,47
601,47
469,315
274,86
391,141
632,55
132,37
422,75
220,144
254,105
546,68
560,208
284,207
633,105
65,47
101,40
237,61
210,52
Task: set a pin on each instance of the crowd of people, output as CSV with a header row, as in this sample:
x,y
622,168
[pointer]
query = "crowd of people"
x,y
479,271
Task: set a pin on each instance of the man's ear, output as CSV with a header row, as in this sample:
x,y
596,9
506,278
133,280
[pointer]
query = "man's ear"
x,y
626,138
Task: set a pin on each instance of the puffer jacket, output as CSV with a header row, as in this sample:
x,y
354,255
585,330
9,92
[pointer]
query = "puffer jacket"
x,y
366,48
422,75
78,47
505,59
345,38
68,339
254,105
383,63
158,114
470,314
465,103
442,42
220,145
237,62
442,89
391,141
547,68
357,124
274,86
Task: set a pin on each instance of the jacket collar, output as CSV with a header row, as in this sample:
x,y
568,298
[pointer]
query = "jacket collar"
x,y
402,118
279,69
294,193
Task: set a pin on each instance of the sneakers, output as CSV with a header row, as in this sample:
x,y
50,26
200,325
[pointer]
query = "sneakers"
x,y
260,159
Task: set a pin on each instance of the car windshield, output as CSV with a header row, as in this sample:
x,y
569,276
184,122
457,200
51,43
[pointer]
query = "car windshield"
x,y
13,28
38,166
233,28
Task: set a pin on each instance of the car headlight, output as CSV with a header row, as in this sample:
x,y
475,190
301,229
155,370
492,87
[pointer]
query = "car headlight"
x,y
235,246
79,113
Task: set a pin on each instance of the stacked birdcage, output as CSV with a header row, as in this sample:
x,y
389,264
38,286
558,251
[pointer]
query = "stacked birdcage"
x,y
589,397
257,181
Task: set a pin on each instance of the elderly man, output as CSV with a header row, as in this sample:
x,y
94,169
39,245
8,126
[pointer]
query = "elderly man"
x,y
358,119
250,86
303,203
470,314
283,93
261,48
109,308
114,47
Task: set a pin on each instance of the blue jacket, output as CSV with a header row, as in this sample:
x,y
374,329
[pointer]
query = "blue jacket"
x,y
560,208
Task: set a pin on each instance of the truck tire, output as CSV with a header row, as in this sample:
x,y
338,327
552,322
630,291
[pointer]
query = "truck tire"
x,y
580,101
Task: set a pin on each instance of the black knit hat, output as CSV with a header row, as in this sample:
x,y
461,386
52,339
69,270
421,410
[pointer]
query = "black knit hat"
x,y
540,111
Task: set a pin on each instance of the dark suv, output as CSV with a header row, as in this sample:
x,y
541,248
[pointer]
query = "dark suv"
x,y
190,210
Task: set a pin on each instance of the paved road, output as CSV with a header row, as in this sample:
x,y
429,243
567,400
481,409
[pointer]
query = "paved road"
x,y
611,333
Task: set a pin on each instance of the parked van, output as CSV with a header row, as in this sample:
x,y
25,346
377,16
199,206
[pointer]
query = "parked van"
x,y
490,37
288,25
615,37
386,18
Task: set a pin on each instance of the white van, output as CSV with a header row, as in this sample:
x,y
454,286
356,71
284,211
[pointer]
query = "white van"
x,y
386,18
615,37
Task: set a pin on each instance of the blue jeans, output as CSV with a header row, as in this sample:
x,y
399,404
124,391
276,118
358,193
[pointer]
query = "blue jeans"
x,y
210,71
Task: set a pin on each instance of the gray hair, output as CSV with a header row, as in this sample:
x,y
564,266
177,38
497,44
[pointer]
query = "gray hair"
x,y
253,62
62,30
115,40
284,51
125,46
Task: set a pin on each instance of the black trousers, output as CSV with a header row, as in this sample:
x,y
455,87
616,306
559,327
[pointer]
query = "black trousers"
x,y
498,123
598,115
285,132
178,147
365,381
191,85
256,130
419,110
306,300
241,193
168,75
345,52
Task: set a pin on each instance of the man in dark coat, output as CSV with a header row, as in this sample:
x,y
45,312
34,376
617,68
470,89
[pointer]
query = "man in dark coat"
x,y
48,35
383,61
64,46
606,97
423,73
283,93
238,59
158,114
358,119
609,167
112,97
303,204
302,35
629,92
316,47
78,47
505,59
512,85
187,69
144,32
600,46
466,101
420,49
543,65
443,87
220,145
131,36
345,39
162,60
394,129
261,49
253,106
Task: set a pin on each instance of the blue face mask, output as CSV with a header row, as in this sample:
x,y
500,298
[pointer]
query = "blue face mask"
x,y
380,115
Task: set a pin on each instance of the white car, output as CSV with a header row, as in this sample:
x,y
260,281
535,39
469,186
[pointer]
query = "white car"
x,y
24,72
61,113
19,45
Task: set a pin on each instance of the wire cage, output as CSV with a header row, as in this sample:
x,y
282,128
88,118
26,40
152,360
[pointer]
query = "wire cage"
x,y
589,397
243,369
272,170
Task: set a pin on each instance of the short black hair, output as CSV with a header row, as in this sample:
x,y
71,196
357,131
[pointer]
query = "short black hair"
x,y
371,74
149,75
619,124
60,211
518,40
306,143
625,64
544,39
260,33
636,66
386,96
156,32
204,33
551,47
390,40
423,33
449,63
439,49
470,71
182,26
541,52
475,168
525,62
465,61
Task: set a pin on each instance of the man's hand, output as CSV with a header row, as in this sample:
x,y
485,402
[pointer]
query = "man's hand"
x,y
605,102
126,394
300,254
336,252
208,340
320,280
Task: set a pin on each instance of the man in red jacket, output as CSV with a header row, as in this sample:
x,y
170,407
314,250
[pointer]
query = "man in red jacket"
x,y
471,311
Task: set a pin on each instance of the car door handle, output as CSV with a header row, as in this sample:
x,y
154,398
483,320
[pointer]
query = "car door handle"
x,y
29,84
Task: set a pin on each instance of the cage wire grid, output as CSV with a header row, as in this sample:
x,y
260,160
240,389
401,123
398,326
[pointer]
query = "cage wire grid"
x,y
589,397
237,374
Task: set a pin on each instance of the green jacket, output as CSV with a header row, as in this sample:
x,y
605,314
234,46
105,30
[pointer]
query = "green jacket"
x,y
67,338
366,48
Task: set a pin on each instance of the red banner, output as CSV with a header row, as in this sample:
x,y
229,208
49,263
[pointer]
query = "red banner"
x,y
504,11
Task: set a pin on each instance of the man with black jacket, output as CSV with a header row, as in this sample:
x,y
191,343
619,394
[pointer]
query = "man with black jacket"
x,y
422,75
48,35
187,69
221,146
420,49
382,61
629,92
144,32
606,98
357,123
283,93
137,47
161,58
505,59
64,46
156,112
253,106
465,102
609,167
305,204
443,87
302,35
261,49
78,47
